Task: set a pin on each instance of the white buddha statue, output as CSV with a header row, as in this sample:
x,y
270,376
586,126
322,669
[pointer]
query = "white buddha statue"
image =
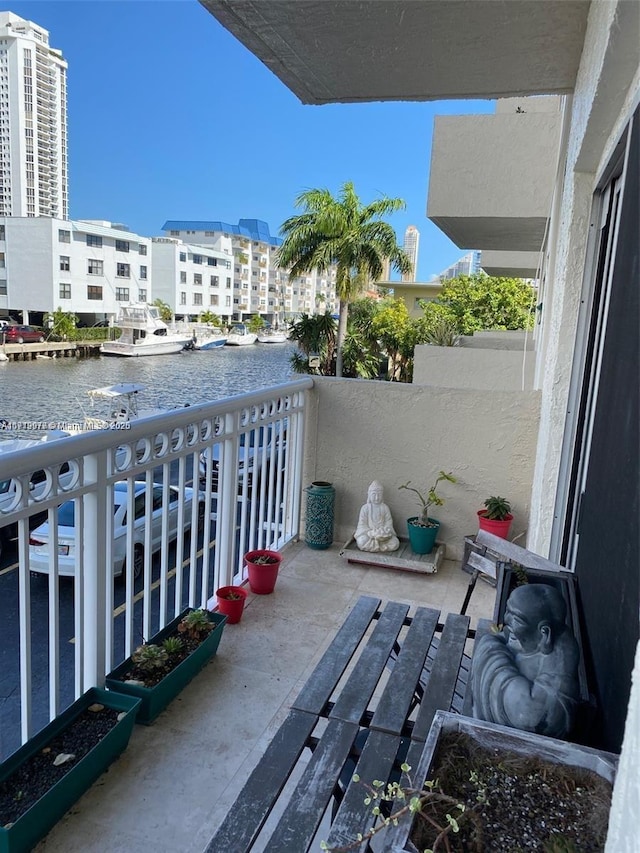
x,y
375,526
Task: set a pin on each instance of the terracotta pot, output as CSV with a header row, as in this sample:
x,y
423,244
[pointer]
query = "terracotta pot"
x,y
231,607
262,576
494,525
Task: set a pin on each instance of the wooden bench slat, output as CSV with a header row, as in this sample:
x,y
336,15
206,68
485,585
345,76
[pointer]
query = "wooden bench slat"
x,y
414,778
322,682
356,693
394,704
444,673
250,810
303,813
376,762
482,564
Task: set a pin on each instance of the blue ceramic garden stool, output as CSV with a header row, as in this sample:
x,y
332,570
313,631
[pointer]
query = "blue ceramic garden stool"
x,y
321,498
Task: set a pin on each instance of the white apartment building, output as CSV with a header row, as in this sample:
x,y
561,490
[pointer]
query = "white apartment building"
x,y
33,122
411,244
193,279
88,267
260,286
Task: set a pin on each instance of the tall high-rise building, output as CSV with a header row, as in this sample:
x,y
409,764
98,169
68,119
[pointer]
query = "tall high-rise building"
x,y
468,264
411,241
33,122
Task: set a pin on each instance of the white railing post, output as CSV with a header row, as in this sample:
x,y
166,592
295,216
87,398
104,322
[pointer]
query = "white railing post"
x,y
227,501
94,569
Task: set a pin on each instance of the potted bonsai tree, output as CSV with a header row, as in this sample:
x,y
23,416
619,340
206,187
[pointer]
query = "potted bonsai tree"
x,y
496,517
423,529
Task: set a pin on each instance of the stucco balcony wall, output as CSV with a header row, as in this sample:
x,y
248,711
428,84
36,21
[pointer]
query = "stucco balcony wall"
x,y
474,368
359,431
492,178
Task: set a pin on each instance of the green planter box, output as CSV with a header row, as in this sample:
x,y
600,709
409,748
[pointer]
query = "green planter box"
x,y
155,699
47,811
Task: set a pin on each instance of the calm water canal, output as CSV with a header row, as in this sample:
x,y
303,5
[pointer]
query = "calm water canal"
x,y
56,389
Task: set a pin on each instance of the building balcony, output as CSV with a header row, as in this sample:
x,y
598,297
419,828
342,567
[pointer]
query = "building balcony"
x,y
492,176
511,264
538,46
178,778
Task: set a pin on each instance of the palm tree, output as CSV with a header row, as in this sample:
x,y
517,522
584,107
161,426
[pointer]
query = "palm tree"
x,y
344,232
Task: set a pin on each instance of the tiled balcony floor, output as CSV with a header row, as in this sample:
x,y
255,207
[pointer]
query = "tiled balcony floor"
x,y
172,786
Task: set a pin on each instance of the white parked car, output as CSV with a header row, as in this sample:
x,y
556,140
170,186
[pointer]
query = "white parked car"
x,y
251,455
39,538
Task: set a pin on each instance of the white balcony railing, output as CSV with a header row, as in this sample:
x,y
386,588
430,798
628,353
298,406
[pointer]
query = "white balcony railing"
x,y
61,635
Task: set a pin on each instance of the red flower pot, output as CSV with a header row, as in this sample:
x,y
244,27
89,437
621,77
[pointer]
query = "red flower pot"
x,y
494,525
262,576
231,607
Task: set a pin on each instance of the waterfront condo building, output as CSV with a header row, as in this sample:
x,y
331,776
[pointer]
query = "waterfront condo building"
x,y
91,267
260,286
33,122
193,279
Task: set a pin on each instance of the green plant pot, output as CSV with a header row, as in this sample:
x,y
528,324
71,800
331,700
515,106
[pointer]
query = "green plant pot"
x,y
155,699
422,539
47,811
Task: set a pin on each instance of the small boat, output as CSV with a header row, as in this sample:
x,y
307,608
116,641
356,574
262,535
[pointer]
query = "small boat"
x,y
207,337
122,406
143,333
240,336
272,336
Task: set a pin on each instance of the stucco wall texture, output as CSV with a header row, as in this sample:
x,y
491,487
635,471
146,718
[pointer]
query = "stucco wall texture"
x,y
462,367
360,430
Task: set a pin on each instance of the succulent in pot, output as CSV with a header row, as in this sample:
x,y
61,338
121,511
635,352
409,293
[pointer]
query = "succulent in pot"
x,y
496,517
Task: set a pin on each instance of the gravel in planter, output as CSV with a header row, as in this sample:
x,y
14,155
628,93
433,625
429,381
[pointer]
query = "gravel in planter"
x,y
530,804
33,778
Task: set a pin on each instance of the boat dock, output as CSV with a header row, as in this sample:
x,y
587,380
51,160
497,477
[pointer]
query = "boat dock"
x,y
61,349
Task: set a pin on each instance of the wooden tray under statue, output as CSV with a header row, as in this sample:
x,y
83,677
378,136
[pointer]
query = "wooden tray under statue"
x,y
403,559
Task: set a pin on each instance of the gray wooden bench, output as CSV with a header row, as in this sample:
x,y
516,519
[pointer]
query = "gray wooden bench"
x,y
363,720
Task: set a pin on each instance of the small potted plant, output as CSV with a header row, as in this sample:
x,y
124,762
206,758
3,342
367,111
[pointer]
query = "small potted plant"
x,y
423,529
231,601
496,518
263,566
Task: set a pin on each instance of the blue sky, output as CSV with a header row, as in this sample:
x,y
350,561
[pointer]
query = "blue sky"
x,y
171,118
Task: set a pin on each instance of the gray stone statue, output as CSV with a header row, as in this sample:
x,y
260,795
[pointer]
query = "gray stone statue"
x,y
526,676
375,526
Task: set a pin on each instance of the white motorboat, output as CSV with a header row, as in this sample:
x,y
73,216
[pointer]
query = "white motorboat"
x,y
272,336
240,336
121,404
143,333
207,337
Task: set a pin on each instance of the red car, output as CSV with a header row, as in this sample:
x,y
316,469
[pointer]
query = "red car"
x,y
22,335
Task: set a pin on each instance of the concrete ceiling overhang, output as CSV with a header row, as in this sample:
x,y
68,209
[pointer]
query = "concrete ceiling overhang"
x,y
511,264
329,51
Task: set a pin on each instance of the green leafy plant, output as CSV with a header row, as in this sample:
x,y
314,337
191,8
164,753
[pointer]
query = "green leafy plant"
x,y
172,645
195,624
256,323
149,657
443,332
432,497
497,508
